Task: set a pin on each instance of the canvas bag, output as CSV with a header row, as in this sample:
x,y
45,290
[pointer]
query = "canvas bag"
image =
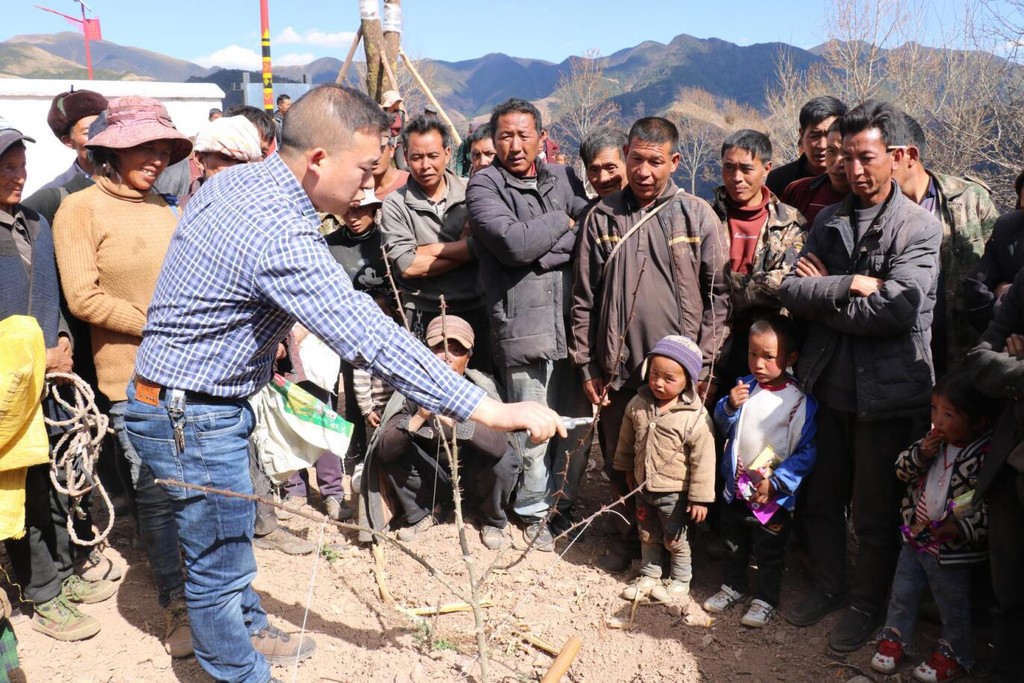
x,y
293,429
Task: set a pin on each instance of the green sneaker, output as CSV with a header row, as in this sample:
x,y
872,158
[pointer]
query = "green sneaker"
x,y
60,620
74,589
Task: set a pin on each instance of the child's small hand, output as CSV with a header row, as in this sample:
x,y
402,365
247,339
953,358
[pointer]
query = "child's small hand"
x,y
373,419
947,531
630,480
764,492
739,394
930,444
698,512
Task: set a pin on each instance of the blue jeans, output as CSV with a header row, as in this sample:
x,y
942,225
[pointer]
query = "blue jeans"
x,y
215,532
155,516
547,468
950,586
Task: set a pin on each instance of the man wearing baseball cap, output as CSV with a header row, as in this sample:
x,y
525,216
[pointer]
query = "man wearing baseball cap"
x,y
71,114
41,558
415,462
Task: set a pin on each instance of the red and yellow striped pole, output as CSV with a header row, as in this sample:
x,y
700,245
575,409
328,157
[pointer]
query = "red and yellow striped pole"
x,y
268,77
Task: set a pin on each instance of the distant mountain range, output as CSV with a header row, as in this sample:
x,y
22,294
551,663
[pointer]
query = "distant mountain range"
x,y
647,76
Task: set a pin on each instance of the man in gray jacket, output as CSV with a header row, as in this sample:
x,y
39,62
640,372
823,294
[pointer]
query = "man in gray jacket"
x,y
425,230
523,215
865,283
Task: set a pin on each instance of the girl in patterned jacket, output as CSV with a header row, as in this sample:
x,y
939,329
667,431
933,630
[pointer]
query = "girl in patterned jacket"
x,y
944,533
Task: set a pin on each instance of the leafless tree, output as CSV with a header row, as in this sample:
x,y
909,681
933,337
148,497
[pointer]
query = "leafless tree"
x,y
584,100
699,143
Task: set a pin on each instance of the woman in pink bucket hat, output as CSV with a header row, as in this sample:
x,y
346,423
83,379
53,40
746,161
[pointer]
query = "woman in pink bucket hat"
x,y
110,240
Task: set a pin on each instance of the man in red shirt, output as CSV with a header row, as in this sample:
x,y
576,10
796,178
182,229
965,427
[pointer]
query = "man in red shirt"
x,y
765,238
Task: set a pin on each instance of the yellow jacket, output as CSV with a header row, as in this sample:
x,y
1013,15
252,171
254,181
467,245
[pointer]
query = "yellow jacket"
x,y
23,440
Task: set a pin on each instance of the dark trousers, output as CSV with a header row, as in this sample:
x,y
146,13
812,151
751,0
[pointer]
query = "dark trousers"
x,y
608,429
422,480
856,463
1006,554
745,536
42,557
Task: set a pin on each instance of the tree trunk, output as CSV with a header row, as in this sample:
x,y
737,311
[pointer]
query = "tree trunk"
x,y
392,36
373,40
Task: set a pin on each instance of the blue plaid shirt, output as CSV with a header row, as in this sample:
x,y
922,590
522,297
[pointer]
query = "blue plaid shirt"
x,y
247,261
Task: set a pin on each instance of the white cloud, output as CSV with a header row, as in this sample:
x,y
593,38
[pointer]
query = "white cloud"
x,y
232,57
340,40
292,59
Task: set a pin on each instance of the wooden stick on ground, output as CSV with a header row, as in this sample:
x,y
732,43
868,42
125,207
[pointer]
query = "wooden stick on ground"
x,y
541,645
378,573
563,661
446,608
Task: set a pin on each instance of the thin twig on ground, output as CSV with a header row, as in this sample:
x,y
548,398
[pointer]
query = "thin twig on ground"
x,y
433,571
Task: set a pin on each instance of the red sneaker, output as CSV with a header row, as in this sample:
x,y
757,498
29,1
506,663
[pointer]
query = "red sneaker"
x,y
939,668
888,657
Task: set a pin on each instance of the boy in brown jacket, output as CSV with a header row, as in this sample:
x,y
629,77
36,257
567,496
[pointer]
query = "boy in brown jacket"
x,y
666,445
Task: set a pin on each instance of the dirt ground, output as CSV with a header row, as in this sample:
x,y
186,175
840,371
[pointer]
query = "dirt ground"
x,y
550,596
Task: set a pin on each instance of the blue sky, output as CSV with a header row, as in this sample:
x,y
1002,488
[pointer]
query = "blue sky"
x,y
226,32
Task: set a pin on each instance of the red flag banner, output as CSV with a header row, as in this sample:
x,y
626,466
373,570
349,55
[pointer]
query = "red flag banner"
x,y
92,29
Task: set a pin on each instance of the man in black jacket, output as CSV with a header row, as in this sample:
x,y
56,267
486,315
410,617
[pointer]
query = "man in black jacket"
x,y
865,283
815,119
997,364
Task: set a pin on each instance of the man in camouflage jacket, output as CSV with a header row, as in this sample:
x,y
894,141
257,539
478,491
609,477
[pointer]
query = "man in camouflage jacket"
x,y
967,214
765,239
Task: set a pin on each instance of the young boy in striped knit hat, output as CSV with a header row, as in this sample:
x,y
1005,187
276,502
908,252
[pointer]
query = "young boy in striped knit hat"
x,y
666,445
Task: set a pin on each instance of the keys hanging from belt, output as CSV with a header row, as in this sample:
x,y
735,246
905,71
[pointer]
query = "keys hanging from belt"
x,y
179,436
176,411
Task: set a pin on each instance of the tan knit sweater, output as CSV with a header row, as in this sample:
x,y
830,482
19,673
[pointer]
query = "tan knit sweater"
x,y
110,242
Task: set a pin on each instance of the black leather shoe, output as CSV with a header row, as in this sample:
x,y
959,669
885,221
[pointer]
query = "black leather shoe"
x,y
855,628
813,608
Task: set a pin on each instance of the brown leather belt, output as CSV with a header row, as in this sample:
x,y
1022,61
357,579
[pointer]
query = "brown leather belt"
x,y
151,393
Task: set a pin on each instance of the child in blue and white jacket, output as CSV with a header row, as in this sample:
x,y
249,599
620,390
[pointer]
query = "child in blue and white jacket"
x,y
769,424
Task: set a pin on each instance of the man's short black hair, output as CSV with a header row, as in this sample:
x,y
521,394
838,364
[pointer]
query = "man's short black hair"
x,y
786,331
283,98
421,124
915,135
818,109
328,116
1017,185
656,130
755,142
479,133
514,105
875,114
260,118
600,139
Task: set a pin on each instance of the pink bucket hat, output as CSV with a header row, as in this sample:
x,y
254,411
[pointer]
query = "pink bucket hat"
x,y
133,121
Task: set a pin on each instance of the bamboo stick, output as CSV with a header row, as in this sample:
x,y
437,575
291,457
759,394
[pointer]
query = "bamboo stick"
x,y
430,95
340,80
447,608
563,661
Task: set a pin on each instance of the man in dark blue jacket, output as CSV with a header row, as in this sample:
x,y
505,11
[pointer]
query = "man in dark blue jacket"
x,y
523,214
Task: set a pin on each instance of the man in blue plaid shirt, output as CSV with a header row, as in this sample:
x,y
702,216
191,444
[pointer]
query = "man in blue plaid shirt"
x,y
245,264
